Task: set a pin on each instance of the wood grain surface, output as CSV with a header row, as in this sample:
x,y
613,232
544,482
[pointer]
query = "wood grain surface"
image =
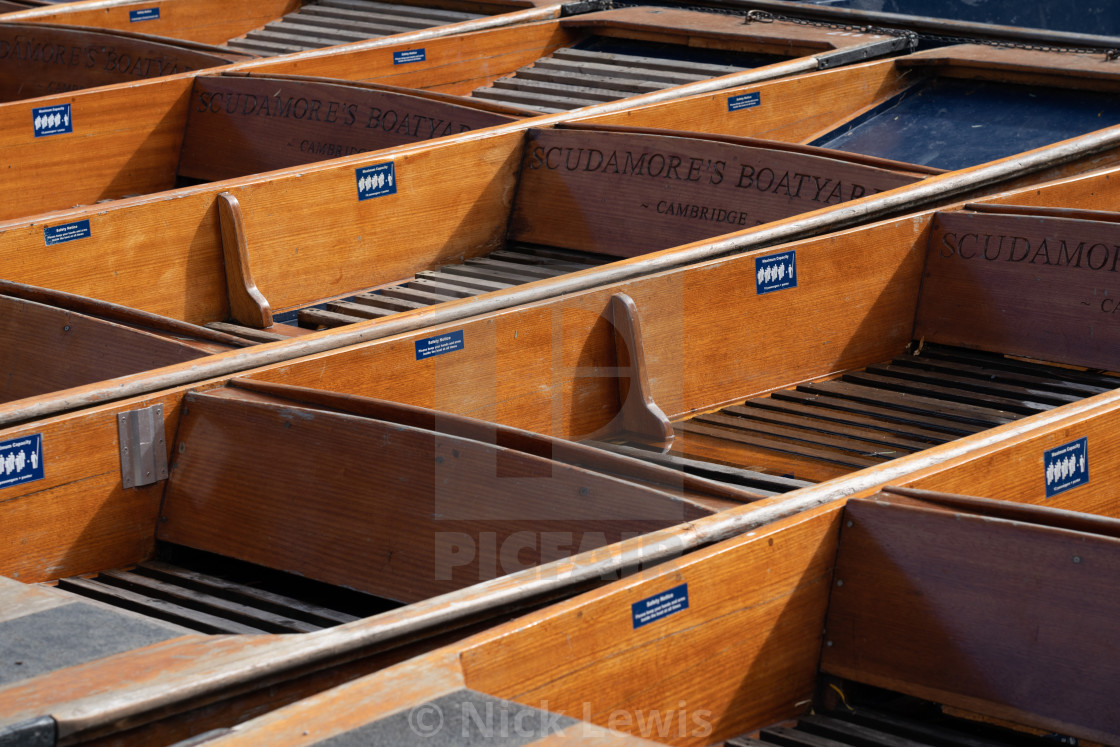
x,y
1042,287
1009,619
39,60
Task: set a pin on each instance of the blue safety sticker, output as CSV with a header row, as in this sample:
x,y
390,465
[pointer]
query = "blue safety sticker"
x,y
376,181
144,14
21,460
775,272
1066,467
79,229
52,120
439,345
409,55
744,101
660,605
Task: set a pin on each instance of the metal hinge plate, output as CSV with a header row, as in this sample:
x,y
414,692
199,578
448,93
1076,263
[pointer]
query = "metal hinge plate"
x,y
143,446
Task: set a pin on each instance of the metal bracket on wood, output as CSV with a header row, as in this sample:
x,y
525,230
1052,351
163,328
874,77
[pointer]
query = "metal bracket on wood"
x,y
867,51
143,446
584,6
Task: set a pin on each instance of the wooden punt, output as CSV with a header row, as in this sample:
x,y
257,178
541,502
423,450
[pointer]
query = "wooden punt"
x,y
536,245
565,368
251,252
272,27
130,137
909,617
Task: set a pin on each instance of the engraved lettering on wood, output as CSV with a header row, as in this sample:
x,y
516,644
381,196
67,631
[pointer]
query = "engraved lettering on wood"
x,y
631,193
1043,287
239,126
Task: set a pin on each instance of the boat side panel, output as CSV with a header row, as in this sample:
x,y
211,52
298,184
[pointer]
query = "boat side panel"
x,y
310,236
114,149
791,110
1017,471
742,654
208,22
79,518
164,257
454,64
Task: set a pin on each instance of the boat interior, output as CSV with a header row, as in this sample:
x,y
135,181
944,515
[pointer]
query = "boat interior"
x,y
270,27
891,615
950,107
564,218
846,571
915,345
599,57
909,617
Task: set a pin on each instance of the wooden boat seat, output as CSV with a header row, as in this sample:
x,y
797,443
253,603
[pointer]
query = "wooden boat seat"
x,y
40,59
585,195
401,503
394,487
983,330
326,23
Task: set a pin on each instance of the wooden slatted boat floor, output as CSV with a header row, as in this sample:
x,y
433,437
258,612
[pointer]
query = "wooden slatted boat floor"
x,y
924,726
330,22
820,430
516,264
602,69
211,594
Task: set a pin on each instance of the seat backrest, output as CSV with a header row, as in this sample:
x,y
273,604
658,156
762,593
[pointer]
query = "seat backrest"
x,y
1011,617
627,192
239,125
1043,286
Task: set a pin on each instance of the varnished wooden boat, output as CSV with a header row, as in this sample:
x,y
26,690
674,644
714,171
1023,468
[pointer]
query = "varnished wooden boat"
x,y
537,245
272,27
250,251
131,136
946,619
548,367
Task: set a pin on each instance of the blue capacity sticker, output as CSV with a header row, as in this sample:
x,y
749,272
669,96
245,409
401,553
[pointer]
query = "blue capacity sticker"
x,y
21,460
409,55
52,120
1066,467
776,272
744,101
376,181
144,14
433,346
66,232
660,605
